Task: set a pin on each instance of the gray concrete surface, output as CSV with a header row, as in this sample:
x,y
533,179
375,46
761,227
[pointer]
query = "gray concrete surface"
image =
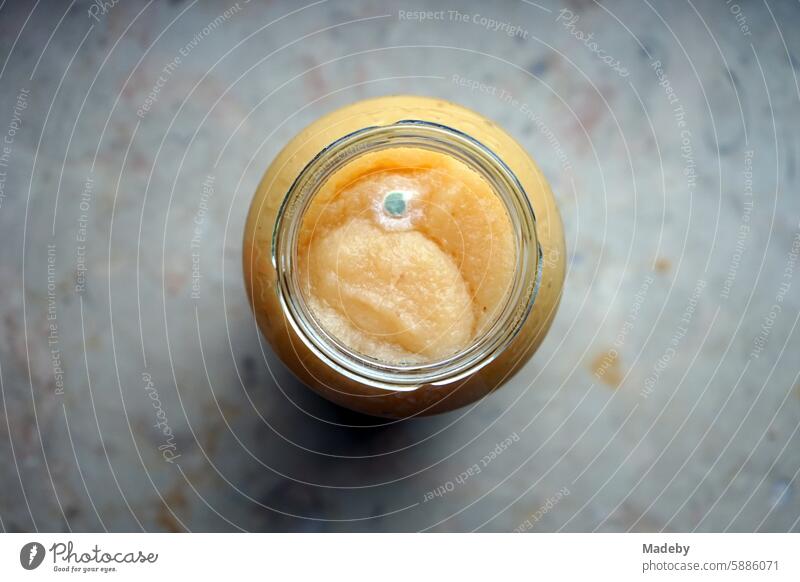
x,y
666,396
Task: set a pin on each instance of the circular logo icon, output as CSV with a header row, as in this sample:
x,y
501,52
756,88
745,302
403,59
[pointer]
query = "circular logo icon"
x,y
31,555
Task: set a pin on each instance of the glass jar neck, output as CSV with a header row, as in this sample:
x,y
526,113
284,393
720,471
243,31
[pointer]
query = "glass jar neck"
x,y
484,348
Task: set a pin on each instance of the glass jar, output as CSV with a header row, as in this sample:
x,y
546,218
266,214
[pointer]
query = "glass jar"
x,y
324,362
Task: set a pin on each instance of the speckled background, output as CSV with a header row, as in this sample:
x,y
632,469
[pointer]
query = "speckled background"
x,y
665,397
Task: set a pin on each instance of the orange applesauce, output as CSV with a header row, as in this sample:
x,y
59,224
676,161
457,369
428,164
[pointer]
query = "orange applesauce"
x,y
403,256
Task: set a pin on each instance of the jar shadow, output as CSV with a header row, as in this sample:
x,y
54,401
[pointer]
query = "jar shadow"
x,y
336,463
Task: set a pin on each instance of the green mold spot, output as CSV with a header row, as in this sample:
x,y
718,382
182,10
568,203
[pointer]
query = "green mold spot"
x,y
395,204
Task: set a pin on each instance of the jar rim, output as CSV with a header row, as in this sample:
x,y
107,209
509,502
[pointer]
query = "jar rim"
x,y
483,349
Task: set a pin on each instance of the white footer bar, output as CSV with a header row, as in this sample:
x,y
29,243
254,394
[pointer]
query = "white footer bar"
x,y
388,557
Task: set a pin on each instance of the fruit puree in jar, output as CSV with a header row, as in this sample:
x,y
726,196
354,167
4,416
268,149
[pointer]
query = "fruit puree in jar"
x,y
403,255
406,255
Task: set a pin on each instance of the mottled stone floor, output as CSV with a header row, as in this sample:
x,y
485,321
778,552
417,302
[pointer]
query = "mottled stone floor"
x,y
666,396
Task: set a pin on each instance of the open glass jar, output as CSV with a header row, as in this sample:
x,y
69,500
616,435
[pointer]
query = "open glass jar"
x,y
385,295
